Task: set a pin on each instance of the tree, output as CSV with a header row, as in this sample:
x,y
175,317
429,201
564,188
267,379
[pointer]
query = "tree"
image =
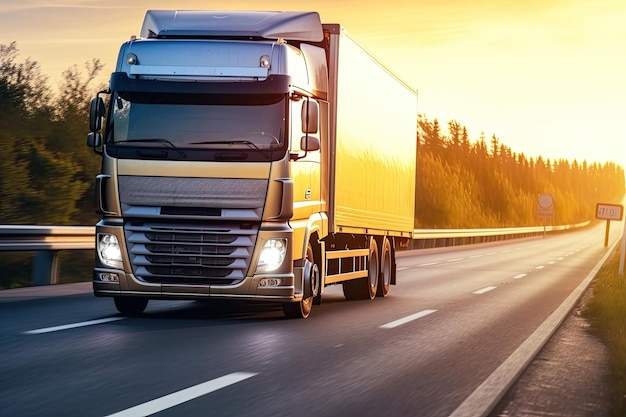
x,y
431,133
24,110
44,173
69,128
23,88
495,144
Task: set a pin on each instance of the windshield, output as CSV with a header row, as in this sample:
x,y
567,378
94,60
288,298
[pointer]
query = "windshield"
x,y
198,121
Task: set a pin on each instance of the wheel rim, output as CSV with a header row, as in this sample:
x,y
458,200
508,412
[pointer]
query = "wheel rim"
x,y
385,273
373,269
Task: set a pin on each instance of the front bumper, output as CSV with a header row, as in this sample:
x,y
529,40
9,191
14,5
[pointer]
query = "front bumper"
x,y
249,289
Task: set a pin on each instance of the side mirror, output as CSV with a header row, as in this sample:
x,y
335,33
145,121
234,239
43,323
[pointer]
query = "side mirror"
x,y
94,139
309,143
96,112
310,116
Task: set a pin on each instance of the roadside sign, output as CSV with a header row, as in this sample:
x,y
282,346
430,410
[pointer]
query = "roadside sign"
x,y
609,211
545,204
546,201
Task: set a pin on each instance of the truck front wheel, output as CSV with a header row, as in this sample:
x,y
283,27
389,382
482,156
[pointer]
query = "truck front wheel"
x,y
130,306
302,309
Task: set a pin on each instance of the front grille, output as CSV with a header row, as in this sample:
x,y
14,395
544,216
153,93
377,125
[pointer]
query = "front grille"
x,y
216,253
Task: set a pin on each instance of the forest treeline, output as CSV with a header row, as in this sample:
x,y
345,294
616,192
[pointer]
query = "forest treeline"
x,y
482,183
48,171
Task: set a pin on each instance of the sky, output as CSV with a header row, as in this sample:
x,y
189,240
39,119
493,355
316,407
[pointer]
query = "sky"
x,y
547,77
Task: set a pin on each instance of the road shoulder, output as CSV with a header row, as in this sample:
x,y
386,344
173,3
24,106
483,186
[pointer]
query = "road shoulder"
x,y
568,378
45,291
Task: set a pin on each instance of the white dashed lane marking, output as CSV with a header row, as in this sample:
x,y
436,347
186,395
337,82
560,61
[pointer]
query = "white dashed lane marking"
x,y
163,403
407,319
455,259
484,290
73,325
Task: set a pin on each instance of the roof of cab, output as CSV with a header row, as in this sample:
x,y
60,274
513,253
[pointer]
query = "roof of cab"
x,y
299,26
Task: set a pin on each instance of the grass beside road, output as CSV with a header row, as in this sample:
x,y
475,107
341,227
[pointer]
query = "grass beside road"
x,y
607,313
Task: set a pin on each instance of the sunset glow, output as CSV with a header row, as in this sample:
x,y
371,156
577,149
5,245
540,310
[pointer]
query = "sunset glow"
x,y
546,77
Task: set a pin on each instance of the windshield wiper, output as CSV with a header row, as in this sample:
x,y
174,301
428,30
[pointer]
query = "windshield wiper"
x,y
226,142
259,139
165,142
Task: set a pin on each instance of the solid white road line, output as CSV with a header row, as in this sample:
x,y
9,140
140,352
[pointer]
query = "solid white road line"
x,y
484,290
73,325
407,319
179,397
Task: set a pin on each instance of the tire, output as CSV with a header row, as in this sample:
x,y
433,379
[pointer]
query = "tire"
x,y
365,288
302,309
386,268
299,310
131,306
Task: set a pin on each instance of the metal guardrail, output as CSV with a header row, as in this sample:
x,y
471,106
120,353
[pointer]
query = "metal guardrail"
x,y
428,238
47,241
42,238
456,233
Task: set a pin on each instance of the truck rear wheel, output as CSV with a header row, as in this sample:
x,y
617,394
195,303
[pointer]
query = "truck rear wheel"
x,y
131,306
386,268
365,288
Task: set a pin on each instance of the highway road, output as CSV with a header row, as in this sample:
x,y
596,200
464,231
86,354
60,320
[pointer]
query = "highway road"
x,y
455,317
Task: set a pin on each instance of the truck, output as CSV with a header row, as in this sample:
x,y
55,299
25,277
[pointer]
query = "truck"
x,y
250,155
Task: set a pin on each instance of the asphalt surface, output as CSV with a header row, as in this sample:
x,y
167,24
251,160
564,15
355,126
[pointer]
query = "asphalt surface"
x,y
566,378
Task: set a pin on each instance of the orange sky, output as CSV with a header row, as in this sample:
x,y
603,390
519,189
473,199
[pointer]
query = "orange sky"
x,y
548,77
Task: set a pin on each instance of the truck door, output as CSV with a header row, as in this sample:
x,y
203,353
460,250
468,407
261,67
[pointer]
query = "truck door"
x,y
305,168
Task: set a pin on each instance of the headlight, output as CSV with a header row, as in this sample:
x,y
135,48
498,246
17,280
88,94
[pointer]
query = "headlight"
x,y
109,251
272,255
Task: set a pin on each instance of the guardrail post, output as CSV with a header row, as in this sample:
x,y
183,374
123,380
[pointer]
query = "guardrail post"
x,y
45,268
